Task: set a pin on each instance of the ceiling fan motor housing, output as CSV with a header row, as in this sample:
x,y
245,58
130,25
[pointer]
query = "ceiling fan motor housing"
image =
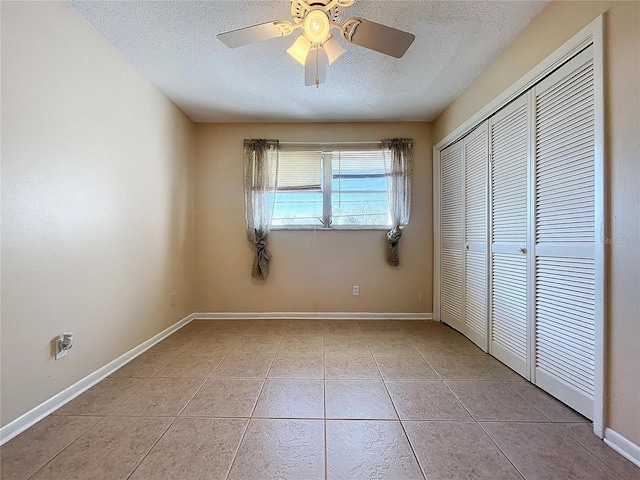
x,y
333,8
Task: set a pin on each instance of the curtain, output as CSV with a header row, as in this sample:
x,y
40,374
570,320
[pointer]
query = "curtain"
x,y
398,157
260,183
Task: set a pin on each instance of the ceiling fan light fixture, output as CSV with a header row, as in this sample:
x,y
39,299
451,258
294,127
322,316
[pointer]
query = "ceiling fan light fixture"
x,y
333,48
316,47
316,26
300,49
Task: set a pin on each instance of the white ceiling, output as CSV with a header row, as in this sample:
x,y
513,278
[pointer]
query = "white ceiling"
x,y
174,44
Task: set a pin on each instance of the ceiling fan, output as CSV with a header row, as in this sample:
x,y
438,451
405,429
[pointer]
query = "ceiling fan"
x,y
316,47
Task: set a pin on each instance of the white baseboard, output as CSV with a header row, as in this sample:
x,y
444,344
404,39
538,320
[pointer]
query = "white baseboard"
x,y
311,315
619,443
622,445
36,414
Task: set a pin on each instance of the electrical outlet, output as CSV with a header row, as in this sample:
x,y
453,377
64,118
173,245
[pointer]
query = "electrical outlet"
x,y
172,299
63,344
61,354
356,290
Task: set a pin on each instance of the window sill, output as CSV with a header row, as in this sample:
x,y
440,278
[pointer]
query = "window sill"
x,y
338,228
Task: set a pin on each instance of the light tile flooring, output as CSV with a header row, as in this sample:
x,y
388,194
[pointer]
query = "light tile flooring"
x,y
311,400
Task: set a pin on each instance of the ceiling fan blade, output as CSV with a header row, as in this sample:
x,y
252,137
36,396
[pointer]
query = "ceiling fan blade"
x,y
254,34
380,38
315,67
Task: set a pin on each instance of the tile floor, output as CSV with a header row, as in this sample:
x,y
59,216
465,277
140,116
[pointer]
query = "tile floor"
x,y
312,400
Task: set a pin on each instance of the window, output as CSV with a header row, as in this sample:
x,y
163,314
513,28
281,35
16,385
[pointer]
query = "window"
x,y
328,187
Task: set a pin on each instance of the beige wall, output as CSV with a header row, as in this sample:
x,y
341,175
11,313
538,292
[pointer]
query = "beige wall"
x,y
97,203
311,271
555,25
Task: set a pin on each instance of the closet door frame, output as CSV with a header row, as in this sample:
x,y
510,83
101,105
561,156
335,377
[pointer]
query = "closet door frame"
x,y
592,34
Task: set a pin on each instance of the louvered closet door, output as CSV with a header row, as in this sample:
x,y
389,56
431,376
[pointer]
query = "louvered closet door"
x,y
565,234
509,133
451,236
476,162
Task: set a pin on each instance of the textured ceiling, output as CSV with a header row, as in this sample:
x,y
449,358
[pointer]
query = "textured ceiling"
x,y
174,44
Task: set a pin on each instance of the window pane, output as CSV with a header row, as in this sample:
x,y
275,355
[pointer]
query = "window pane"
x,y
299,195
297,208
359,208
359,188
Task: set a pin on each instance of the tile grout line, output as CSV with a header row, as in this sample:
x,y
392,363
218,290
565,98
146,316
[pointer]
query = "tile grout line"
x,y
108,415
237,449
575,439
475,421
556,426
404,431
373,336
152,447
500,449
180,412
324,405
64,449
459,400
198,390
527,401
551,422
255,405
205,380
444,381
434,369
246,427
103,417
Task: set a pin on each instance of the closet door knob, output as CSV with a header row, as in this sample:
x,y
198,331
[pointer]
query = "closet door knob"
x,y
522,250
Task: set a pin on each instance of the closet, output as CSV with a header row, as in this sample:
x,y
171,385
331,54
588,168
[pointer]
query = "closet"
x,y
516,263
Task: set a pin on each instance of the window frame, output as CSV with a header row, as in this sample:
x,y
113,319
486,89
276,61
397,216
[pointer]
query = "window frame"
x,y
326,151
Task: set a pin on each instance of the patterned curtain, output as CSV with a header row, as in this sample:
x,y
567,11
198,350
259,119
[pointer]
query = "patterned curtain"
x,y
398,158
260,184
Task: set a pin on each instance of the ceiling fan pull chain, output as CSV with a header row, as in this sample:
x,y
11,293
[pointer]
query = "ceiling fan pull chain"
x,y
317,67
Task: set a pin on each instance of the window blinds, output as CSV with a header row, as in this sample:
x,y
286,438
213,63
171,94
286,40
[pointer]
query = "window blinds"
x,y
299,170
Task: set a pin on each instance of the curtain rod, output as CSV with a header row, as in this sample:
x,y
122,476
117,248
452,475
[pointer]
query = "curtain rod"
x,y
329,145
371,142
310,146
